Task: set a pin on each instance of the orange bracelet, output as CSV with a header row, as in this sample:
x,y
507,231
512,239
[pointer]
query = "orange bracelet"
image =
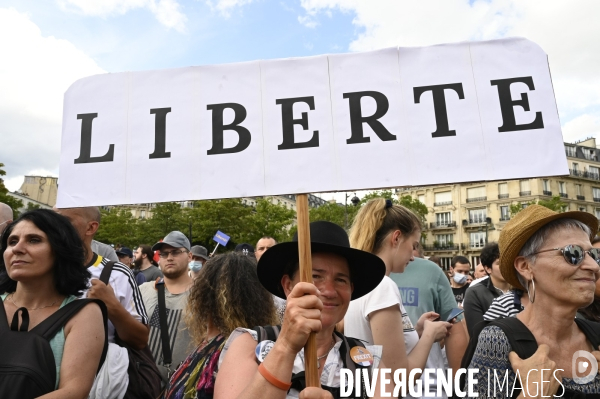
x,y
272,379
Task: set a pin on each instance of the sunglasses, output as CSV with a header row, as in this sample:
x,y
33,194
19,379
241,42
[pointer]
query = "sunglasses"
x,y
574,254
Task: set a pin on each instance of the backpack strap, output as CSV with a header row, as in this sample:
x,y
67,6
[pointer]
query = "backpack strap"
x,y
106,271
3,318
25,320
591,329
49,327
164,327
520,338
265,333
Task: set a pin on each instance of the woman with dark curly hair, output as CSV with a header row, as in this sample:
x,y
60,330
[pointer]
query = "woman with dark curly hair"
x,y
225,295
40,272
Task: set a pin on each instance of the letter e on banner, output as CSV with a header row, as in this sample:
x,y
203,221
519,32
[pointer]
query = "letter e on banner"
x,y
297,124
517,106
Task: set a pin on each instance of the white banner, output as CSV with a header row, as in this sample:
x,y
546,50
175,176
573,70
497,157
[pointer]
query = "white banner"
x,y
394,117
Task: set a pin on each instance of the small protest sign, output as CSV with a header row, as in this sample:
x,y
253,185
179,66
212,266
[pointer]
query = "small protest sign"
x,y
221,238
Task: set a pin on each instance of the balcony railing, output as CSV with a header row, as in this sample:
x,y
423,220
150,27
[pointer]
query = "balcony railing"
x,y
476,244
596,199
563,195
442,203
477,199
500,196
524,193
585,175
548,193
441,247
581,197
442,225
478,221
504,218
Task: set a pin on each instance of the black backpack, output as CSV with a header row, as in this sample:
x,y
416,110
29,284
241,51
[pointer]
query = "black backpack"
x,y
298,379
144,377
27,366
523,343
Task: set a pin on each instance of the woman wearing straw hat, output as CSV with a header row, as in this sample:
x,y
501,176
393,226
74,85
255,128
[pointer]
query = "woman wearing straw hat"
x,y
548,255
340,274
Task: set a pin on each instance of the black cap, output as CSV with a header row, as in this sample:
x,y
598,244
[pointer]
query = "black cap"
x,y
245,248
124,251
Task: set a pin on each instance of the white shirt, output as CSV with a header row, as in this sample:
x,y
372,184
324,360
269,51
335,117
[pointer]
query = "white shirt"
x,y
385,295
126,290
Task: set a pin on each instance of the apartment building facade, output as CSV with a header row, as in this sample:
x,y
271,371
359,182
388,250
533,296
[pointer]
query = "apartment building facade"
x,y
463,217
41,189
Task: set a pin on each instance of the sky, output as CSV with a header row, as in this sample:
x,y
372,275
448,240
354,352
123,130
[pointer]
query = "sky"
x,y
47,45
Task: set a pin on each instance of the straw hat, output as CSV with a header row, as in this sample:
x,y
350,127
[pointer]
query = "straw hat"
x,y
524,225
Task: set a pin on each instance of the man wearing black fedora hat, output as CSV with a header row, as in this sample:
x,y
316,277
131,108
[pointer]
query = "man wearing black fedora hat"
x,y
340,274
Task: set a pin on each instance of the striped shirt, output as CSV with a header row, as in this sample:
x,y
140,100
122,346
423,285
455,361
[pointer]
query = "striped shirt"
x,y
125,287
506,305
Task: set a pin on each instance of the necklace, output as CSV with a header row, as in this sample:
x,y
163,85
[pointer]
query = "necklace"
x,y
326,353
41,307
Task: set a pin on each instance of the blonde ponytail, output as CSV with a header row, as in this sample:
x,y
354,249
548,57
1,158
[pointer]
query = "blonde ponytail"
x,y
375,220
366,223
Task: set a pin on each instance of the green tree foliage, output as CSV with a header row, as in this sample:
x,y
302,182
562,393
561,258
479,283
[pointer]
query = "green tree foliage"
x,y
555,204
13,202
336,213
406,200
414,205
166,217
230,216
514,209
118,227
31,206
269,219
333,212
242,223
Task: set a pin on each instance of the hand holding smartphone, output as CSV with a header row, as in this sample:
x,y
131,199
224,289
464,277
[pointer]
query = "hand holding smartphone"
x,y
454,313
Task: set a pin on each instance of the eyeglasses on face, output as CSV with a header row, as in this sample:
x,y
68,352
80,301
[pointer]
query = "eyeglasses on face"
x,y
175,253
574,254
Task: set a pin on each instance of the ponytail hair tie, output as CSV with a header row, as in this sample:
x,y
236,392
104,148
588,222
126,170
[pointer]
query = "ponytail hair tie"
x,y
388,203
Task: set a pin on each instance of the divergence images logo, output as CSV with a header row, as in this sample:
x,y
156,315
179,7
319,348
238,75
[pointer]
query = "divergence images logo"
x,y
579,366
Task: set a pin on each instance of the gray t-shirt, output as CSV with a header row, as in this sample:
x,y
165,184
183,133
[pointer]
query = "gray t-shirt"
x,y
152,273
104,250
178,333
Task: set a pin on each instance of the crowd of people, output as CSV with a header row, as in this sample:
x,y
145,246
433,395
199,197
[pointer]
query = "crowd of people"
x,y
168,320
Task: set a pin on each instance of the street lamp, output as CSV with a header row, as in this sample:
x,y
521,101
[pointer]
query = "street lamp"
x,y
355,201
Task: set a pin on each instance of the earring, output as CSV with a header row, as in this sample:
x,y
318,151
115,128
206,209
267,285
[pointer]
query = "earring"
x,y
532,294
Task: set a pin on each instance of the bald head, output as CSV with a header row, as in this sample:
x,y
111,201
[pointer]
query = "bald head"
x,y
85,220
6,216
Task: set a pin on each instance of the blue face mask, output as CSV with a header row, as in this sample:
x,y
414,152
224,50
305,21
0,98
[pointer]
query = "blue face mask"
x,y
460,278
195,265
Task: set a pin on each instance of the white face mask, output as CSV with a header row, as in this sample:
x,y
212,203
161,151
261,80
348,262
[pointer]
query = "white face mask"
x,y
195,265
460,278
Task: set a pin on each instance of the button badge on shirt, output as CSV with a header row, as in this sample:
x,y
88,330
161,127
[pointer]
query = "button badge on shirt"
x,y
361,356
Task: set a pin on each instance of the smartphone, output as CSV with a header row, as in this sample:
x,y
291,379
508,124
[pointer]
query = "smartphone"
x,y
454,313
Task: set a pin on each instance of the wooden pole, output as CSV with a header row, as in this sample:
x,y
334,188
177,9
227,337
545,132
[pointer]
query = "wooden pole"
x,y
310,350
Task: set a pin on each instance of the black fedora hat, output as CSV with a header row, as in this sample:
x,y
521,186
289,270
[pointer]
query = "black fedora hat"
x,y
367,270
